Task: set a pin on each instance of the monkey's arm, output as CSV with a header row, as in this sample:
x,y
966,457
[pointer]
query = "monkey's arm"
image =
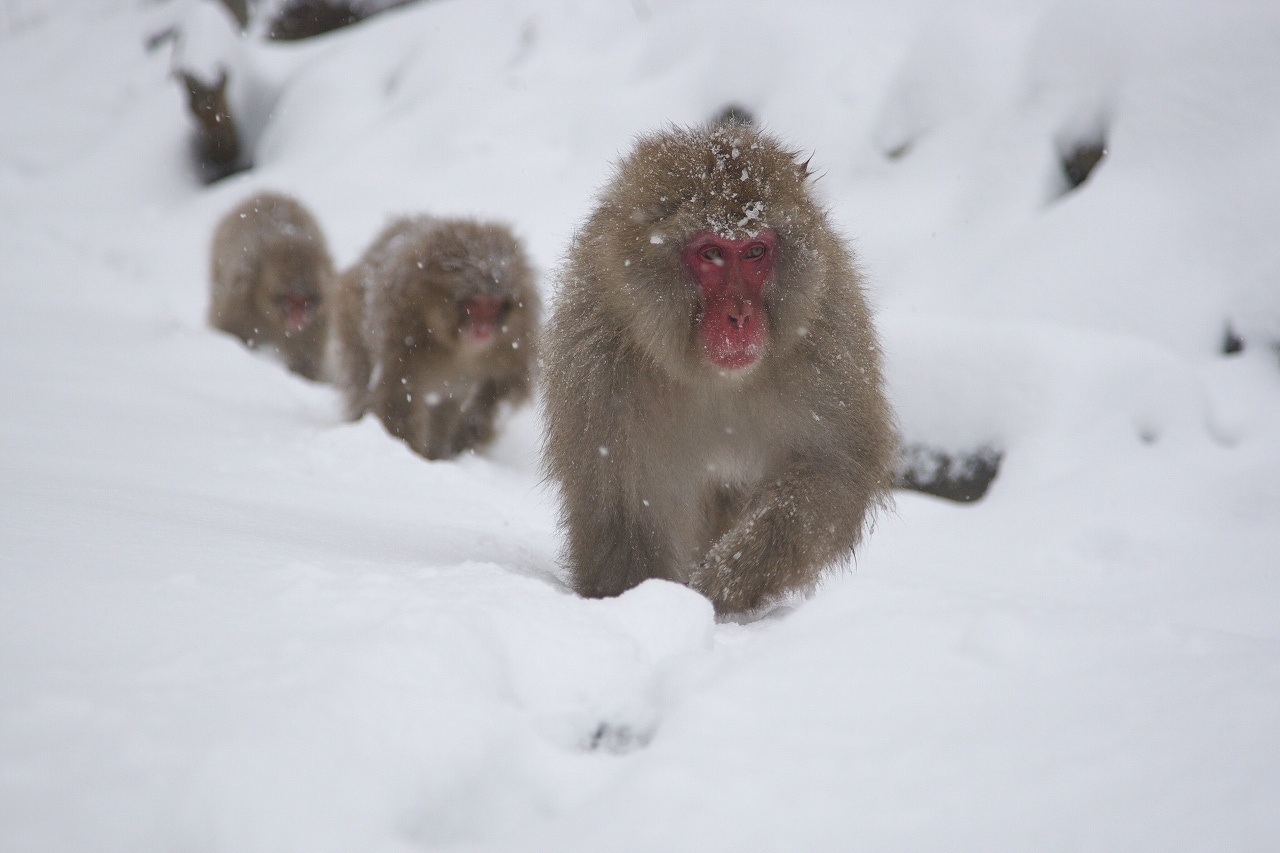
x,y
404,410
612,545
349,361
434,429
230,305
304,357
474,427
790,528
619,521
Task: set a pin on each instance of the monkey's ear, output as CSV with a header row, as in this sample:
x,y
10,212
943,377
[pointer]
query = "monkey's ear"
x,y
654,212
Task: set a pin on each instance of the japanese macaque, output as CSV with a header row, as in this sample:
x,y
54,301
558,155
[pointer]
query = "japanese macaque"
x,y
271,277
435,327
712,381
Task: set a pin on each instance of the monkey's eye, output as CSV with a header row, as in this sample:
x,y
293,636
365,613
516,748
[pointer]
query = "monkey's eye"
x,y
711,253
756,251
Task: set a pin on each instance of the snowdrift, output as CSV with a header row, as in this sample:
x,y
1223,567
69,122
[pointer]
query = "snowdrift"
x,y
231,621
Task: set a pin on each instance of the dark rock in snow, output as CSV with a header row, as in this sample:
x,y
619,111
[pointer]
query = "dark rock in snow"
x,y
216,148
618,739
1079,161
1232,343
961,477
239,10
300,19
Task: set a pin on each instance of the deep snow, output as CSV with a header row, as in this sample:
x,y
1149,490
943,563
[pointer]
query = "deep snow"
x,y
230,621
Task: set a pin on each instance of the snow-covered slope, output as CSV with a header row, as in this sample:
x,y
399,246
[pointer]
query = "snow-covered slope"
x,y
230,621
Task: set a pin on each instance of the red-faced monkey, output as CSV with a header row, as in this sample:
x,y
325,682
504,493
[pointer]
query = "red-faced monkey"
x,y
435,328
270,279
713,394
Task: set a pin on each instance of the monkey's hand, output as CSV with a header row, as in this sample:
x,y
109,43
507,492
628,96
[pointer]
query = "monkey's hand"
x,y
787,533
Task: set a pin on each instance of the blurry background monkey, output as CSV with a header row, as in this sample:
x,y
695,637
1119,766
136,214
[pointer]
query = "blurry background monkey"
x,y
435,327
713,394
270,280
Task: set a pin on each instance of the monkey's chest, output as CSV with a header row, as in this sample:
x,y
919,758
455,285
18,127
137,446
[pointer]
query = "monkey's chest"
x,y
730,464
717,446
725,476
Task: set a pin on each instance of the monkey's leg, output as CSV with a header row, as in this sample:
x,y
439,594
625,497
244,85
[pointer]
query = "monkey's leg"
x,y
613,547
350,367
436,427
238,317
475,425
789,529
394,410
304,360
403,411
721,507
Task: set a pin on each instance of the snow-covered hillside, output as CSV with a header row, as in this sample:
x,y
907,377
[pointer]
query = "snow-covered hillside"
x,y
230,621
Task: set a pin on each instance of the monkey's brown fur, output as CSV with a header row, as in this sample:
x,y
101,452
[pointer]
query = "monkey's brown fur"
x,y
743,485
398,348
268,255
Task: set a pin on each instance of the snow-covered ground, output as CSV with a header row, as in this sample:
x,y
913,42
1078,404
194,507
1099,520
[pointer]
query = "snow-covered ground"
x,y
230,621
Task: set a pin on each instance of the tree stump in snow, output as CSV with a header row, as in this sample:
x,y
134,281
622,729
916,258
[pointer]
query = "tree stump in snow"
x,y
217,149
300,19
1079,160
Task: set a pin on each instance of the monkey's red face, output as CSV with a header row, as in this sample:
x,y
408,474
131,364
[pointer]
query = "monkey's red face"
x,y
731,276
481,319
298,310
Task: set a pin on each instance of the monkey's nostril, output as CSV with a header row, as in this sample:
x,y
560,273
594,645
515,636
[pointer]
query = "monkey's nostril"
x,y
738,315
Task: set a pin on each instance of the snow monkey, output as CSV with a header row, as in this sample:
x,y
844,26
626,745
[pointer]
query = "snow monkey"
x,y
271,277
713,394
435,327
